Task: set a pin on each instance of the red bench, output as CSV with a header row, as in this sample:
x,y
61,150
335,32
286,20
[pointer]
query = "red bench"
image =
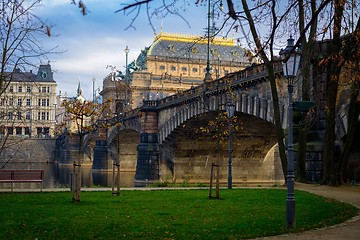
x,y
22,176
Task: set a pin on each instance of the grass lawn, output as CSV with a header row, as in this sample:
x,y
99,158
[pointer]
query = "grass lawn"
x,y
163,214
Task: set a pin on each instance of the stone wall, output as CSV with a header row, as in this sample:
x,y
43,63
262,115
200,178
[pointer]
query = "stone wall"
x,y
189,151
28,150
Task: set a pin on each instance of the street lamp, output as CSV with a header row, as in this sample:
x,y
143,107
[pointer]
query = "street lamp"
x,y
207,69
127,50
291,61
230,110
210,31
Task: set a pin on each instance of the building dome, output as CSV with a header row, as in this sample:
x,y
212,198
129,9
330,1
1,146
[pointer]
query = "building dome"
x,y
187,47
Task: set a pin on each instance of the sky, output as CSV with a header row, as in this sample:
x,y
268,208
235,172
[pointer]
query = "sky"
x,y
98,39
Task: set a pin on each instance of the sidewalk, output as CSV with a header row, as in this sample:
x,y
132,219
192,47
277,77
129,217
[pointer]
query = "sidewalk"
x,y
349,230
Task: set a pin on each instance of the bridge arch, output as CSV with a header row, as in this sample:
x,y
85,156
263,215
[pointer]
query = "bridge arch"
x,y
188,151
255,103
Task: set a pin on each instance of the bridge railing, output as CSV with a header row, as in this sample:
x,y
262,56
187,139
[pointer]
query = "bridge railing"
x,y
232,80
121,117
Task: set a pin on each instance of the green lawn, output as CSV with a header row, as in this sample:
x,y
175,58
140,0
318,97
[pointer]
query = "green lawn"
x,y
162,214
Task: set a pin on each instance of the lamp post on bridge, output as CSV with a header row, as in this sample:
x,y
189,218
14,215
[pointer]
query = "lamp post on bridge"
x,y
127,50
230,110
291,61
210,31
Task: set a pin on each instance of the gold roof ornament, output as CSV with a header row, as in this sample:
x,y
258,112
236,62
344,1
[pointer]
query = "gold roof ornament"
x,y
177,37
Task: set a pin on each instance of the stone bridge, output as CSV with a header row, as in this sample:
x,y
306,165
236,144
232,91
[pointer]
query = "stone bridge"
x,y
173,138
178,138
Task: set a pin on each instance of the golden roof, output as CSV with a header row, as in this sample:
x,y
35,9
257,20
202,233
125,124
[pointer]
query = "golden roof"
x,y
176,37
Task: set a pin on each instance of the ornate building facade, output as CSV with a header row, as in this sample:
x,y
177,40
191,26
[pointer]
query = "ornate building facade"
x,y
27,106
172,63
62,117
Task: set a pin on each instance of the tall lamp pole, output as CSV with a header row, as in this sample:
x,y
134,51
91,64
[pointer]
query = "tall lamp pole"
x,y
210,31
207,69
291,61
230,110
127,50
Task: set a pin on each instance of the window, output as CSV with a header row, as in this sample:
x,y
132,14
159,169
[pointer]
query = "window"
x,y
39,102
19,115
39,116
28,102
10,115
27,131
11,89
10,130
28,89
28,115
184,69
214,52
173,68
11,102
47,116
43,102
43,89
38,130
18,130
194,69
19,102
48,89
42,115
44,75
20,89
48,102
2,102
171,47
46,131
162,67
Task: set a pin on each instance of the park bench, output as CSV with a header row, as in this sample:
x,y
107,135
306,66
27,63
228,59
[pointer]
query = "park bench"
x,y
21,176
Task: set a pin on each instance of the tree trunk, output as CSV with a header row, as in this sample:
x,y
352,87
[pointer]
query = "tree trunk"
x,y
334,65
353,116
307,54
329,141
301,150
271,74
278,124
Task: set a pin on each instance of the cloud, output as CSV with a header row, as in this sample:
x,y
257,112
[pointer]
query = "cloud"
x,y
99,39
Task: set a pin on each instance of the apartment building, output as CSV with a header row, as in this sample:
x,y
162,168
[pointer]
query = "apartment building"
x,y
27,106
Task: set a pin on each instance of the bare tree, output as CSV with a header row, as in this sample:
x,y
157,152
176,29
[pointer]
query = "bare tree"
x,y
342,57
21,31
21,48
85,115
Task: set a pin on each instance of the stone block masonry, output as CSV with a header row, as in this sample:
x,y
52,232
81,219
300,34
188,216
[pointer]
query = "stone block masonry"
x,y
28,150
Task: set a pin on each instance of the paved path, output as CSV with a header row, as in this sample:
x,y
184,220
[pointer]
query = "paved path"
x,y
349,230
